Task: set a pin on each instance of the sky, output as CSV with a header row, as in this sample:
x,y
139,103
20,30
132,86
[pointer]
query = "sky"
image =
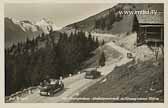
x,y
60,14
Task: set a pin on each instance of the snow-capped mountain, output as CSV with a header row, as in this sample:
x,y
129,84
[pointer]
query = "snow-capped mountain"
x,y
16,30
44,25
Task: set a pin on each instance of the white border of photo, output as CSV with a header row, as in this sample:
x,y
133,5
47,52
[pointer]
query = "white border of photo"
x,y
82,105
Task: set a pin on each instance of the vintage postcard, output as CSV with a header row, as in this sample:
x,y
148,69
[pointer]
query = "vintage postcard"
x,y
84,52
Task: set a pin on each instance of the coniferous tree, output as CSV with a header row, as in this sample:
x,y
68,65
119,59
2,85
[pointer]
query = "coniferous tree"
x,y
28,64
102,59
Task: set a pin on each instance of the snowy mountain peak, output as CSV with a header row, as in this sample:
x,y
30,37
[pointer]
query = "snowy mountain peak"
x,y
43,21
46,23
43,25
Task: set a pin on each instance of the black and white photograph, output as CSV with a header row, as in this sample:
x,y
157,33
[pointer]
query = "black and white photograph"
x,y
84,53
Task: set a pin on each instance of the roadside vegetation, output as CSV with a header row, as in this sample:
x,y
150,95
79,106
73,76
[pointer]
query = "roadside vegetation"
x,y
142,80
29,63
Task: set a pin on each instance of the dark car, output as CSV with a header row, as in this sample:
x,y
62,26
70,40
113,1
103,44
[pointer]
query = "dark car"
x,y
51,89
129,55
92,74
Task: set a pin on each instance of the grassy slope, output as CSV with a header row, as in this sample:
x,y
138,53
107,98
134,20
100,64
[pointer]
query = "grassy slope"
x,y
88,24
144,79
111,56
141,80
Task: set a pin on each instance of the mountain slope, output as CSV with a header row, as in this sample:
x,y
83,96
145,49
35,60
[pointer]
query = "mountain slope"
x,y
13,33
110,21
17,31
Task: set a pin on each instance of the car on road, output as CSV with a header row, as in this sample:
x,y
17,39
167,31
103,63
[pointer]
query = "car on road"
x,y
129,55
51,88
92,74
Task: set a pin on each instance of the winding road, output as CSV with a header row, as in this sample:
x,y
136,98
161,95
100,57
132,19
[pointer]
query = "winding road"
x,y
77,83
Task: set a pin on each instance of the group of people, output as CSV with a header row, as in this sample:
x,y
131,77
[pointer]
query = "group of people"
x,y
50,82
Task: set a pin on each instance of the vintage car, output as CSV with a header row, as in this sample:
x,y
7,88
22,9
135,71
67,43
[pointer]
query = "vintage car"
x,y
51,88
92,74
129,55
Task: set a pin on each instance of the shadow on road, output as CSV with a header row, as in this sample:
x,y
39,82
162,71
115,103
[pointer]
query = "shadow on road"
x,y
60,92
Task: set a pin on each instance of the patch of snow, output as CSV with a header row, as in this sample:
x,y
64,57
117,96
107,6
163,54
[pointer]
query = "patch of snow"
x,y
46,25
28,27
